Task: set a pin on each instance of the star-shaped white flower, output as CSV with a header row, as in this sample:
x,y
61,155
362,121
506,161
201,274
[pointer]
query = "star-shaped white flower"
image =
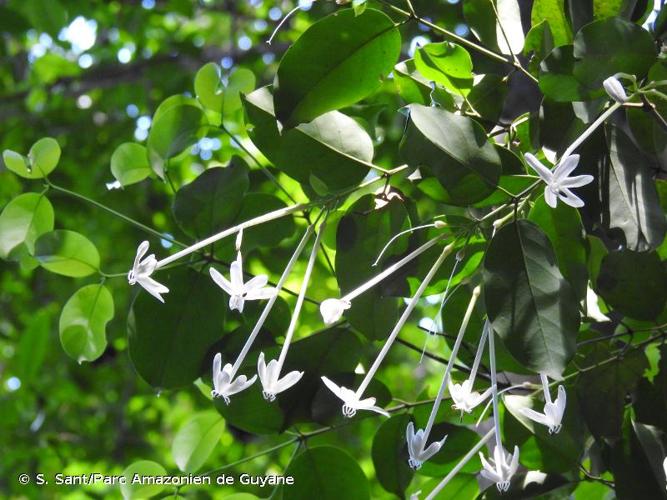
x,y
223,385
141,273
351,401
269,376
501,467
238,291
464,398
615,89
553,412
416,444
333,309
558,184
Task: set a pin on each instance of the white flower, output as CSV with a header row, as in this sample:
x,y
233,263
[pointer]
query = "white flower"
x,y
269,376
664,465
351,401
553,411
501,468
615,90
558,184
416,443
333,309
239,292
141,273
465,399
223,385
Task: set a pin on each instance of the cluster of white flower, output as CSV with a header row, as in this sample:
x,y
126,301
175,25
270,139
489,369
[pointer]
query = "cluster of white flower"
x,y
502,466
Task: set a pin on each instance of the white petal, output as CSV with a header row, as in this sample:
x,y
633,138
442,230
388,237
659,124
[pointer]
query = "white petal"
x,y
236,273
236,302
289,380
569,198
221,281
541,170
379,410
261,367
333,309
576,181
566,166
241,384
514,465
550,197
332,387
217,364
141,251
540,418
260,293
153,287
258,281
615,90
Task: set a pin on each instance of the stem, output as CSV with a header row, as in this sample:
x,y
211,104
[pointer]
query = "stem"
x,y
460,465
404,317
411,230
545,387
480,351
276,214
591,128
392,269
272,300
494,389
450,364
299,299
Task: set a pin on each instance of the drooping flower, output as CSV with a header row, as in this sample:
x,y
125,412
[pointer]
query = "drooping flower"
x,y
351,402
223,385
238,291
615,90
501,467
558,183
269,376
464,398
141,273
333,309
416,446
553,410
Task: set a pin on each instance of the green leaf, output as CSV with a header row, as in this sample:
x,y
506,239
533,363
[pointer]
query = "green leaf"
x,y
129,163
634,205
32,347
390,455
212,201
652,441
333,147
22,221
461,487
83,322
174,128
509,30
563,227
68,253
326,473
338,61
530,305
455,149
241,81
163,346
602,389
633,283
539,42
47,16
553,11
250,412
42,159
447,64
557,80
196,439
360,237
209,87
414,88
136,490
487,97
611,46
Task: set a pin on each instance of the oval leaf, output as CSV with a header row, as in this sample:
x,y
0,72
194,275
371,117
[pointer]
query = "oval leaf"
x,y
528,301
196,440
23,220
83,322
390,455
129,163
338,61
131,490
68,253
42,159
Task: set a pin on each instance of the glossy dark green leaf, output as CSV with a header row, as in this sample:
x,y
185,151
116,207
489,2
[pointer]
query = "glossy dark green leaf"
x,y
338,61
487,97
333,147
445,63
212,201
634,206
129,163
250,412
360,237
455,149
539,42
42,159
326,473
390,455
602,390
414,88
553,11
163,345
22,221
196,439
633,283
557,79
528,301
68,253
83,322
563,227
